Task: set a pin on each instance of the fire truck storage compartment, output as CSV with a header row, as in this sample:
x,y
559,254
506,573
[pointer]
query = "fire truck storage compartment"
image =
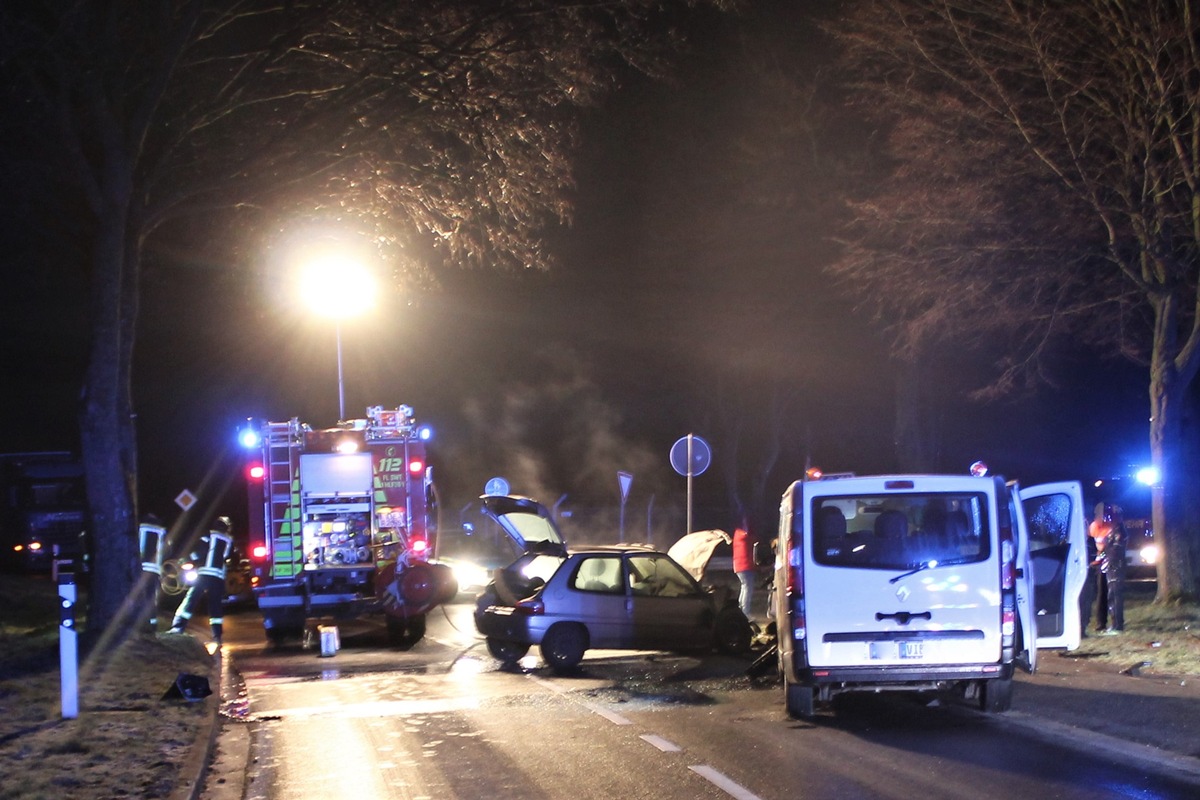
x,y
337,524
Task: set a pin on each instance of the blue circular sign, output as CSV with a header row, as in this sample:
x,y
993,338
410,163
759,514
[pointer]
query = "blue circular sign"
x,y
496,486
701,456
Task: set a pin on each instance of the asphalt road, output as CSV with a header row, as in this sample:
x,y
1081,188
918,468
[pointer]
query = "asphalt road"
x,y
442,720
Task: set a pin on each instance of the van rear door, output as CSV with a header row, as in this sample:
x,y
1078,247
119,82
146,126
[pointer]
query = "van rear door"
x,y
1056,534
901,571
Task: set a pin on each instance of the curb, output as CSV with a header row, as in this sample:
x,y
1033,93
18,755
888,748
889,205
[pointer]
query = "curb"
x,y
1145,756
195,767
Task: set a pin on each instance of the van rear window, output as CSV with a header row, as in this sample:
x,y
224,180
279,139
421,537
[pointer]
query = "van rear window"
x,y
900,531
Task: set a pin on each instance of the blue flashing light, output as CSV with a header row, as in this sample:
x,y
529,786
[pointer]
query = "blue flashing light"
x,y
1147,475
424,433
249,438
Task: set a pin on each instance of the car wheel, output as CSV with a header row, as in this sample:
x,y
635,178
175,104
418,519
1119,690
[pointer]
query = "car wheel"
x,y
732,633
563,646
995,695
506,651
798,700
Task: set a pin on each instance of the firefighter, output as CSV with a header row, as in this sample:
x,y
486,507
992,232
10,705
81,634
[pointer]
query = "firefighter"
x,y
151,535
209,559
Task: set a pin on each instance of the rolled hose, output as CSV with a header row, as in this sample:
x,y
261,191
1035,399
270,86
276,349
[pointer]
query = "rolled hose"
x,y
428,584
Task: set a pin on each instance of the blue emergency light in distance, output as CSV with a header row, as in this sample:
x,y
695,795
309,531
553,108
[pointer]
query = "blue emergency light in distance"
x,y
424,433
248,436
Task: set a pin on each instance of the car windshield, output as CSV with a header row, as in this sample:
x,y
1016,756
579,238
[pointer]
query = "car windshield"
x,y
900,531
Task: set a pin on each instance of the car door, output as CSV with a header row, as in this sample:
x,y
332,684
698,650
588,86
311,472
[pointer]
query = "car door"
x,y
1054,519
1026,655
596,595
670,610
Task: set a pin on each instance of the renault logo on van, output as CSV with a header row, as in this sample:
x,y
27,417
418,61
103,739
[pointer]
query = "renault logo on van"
x,y
902,594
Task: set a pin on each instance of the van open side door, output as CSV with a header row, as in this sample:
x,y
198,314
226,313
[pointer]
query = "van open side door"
x,y
1057,544
1026,655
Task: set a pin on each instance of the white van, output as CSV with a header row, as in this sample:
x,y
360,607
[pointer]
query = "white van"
x,y
925,583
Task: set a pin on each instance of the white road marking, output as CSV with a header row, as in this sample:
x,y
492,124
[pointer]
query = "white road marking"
x,y
614,718
661,743
611,716
723,783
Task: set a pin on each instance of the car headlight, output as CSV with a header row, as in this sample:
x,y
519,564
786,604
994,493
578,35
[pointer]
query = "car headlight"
x,y
1149,554
470,575
188,573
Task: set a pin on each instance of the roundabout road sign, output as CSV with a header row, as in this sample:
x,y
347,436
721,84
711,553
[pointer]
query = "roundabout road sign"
x,y
701,455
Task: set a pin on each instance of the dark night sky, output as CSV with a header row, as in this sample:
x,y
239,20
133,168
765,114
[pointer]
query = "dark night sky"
x,y
557,380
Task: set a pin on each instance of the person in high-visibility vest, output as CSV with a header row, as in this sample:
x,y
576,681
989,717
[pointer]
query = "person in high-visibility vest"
x,y
1108,531
209,559
743,567
151,535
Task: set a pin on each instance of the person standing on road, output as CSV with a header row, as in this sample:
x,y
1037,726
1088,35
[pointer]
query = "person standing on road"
x,y
209,559
1087,595
1107,530
743,567
1112,568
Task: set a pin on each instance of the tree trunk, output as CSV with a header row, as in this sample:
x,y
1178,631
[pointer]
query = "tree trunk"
x,y
1176,576
917,434
106,427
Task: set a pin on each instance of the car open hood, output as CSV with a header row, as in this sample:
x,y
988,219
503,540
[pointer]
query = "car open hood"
x,y
527,522
693,551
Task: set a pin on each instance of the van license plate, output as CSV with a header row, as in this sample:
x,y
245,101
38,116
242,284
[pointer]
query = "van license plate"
x,y
911,649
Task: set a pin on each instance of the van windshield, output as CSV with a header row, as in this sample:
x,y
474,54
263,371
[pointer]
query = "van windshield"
x,y
900,531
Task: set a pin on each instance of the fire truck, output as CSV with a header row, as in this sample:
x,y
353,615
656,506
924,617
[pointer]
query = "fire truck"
x,y
343,523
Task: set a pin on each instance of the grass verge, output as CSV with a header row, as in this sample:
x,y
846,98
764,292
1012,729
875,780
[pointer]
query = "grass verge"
x,y
126,742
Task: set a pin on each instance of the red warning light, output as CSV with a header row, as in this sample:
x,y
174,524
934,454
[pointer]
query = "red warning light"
x,y
419,545
255,472
259,551
416,466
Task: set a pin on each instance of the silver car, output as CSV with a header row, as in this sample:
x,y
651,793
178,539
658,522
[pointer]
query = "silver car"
x,y
627,597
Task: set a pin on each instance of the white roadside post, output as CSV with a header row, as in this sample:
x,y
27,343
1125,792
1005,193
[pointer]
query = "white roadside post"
x,y
68,645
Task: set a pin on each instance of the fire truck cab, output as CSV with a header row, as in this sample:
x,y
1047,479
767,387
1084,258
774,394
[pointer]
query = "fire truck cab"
x,y
342,524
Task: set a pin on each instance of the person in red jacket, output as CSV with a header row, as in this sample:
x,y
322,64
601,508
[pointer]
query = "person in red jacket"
x,y
743,567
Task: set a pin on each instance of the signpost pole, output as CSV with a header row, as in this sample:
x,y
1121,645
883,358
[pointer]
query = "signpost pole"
x,y
689,486
690,456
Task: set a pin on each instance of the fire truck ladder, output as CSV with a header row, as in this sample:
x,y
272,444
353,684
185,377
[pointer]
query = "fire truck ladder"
x,y
283,440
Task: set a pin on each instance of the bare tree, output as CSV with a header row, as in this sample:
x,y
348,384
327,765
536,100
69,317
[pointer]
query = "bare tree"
x,y
442,127
1043,181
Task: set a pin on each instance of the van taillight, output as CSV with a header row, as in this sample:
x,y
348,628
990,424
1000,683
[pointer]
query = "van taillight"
x,y
1008,622
1008,558
795,594
795,576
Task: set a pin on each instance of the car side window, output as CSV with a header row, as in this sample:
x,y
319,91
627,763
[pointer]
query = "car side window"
x,y
655,576
599,574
